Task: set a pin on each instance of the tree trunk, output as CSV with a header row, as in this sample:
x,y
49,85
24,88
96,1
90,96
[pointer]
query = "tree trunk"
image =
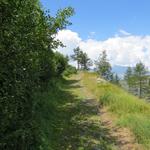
x,y
78,64
140,90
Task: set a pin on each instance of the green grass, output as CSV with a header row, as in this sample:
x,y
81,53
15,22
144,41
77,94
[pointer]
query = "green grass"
x,y
131,112
65,122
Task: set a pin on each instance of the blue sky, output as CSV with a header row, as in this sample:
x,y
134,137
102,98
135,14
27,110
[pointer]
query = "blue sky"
x,y
121,27
105,17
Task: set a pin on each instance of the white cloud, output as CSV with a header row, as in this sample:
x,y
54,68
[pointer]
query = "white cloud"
x,y
69,39
124,50
123,32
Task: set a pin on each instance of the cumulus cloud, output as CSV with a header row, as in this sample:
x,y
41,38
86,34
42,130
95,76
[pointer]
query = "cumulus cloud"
x,y
124,50
70,39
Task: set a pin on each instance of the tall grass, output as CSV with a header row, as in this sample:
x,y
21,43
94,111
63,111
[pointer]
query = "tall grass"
x,y
50,116
130,111
66,122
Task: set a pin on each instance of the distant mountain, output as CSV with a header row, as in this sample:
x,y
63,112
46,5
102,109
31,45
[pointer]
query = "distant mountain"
x,y
120,70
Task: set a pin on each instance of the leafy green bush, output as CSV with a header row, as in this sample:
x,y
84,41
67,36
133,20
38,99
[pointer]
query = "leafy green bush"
x,y
70,70
27,61
61,63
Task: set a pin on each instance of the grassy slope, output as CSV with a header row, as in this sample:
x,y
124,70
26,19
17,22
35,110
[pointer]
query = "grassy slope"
x,y
66,123
131,112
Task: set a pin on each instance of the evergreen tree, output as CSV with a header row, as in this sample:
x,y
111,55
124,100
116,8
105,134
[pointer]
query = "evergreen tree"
x,y
116,79
76,56
85,62
103,66
128,77
148,89
140,79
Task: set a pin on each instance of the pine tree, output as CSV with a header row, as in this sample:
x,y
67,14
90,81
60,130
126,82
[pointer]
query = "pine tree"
x,y
76,56
85,61
140,79
116,79
103,66
148,89
128,77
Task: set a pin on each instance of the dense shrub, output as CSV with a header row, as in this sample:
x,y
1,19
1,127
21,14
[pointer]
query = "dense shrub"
x,y
61,63
27,60
70,70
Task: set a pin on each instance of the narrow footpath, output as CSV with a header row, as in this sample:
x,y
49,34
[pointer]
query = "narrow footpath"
x,y
88,126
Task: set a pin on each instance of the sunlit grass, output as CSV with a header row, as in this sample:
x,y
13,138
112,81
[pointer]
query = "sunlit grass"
x,y
130,111
66,122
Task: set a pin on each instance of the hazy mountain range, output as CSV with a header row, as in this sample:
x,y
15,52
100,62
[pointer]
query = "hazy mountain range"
x,y
120,70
